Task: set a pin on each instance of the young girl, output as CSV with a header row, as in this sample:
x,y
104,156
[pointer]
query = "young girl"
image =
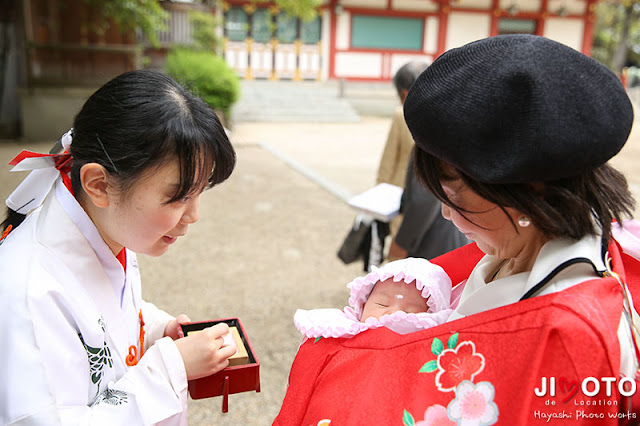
x,y
405,295
79,345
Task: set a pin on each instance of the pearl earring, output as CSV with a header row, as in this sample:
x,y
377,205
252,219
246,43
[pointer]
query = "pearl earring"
x,y
524,221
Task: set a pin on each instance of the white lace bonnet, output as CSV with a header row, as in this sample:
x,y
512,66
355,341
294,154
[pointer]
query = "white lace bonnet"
x,y
430,278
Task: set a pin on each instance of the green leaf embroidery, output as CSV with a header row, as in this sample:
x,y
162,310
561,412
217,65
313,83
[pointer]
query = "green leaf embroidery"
x,y
98,358
453,341
317,338
437,346
429,367
408,419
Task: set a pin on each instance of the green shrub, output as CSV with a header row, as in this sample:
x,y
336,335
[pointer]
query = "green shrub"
x,y
205,74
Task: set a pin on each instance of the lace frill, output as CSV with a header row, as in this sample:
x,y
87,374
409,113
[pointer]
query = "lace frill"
x,y
429,278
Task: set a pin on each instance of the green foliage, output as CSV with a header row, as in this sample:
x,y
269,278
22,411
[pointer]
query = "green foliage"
x,y
147,15
206,75
616,40
203,30
303,9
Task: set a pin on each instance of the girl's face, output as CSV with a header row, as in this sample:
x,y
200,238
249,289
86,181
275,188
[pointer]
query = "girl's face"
x,y
388,297
486,223
142,221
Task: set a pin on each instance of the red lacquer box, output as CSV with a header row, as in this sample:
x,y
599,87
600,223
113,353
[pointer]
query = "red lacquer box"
x,y
233,379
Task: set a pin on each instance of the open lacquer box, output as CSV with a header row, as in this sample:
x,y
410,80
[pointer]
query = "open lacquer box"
x,y
242,374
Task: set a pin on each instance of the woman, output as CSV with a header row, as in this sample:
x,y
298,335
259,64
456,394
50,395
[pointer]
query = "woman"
x,y
79,344
513,134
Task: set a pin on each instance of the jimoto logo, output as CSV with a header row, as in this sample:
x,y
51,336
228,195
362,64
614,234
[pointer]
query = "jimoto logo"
x,y
590,386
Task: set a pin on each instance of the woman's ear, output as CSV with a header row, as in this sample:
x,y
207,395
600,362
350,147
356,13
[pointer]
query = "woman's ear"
x,y
95,182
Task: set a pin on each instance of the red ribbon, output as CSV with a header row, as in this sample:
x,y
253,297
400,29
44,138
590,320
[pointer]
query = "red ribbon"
x,y
62,162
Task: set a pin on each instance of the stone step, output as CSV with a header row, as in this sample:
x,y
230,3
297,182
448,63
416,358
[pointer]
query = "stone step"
x,y
330,101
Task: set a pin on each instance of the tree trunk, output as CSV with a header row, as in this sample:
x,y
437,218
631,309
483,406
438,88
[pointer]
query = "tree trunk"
x,y
622,49
8,10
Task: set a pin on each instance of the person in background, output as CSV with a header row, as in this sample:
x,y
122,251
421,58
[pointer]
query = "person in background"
x,y
423,232
419,230
397,150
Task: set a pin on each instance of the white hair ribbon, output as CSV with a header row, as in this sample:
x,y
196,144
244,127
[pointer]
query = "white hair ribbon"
x,y
45,169
66,140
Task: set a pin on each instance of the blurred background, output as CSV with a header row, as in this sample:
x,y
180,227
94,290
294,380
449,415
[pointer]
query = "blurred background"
x,y
53,53
304,87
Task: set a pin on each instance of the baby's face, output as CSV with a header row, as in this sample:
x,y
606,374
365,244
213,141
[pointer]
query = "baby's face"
x,y
388,297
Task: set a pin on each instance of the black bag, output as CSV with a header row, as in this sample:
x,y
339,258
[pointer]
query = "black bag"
x,y
358,238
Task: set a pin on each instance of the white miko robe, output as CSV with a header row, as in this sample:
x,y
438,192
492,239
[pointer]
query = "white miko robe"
x,y
68,315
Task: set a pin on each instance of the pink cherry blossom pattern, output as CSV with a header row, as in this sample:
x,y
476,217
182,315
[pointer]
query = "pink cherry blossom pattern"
x,y
436,415
473,404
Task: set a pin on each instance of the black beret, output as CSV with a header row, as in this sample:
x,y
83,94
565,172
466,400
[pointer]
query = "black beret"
x,y
518,108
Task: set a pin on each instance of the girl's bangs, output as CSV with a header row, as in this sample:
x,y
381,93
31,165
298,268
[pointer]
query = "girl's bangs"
x,y
203,164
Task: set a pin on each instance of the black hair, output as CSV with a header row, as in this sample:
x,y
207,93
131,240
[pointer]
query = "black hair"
x,y
143,119
571,207
407,75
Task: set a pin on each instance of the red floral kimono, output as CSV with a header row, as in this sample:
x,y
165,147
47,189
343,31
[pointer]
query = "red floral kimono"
x,y
552,358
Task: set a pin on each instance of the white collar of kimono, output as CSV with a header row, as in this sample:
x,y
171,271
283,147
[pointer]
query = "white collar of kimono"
x,y
478,295
85,225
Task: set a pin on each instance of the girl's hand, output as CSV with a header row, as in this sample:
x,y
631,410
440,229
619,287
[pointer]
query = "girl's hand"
x,y
202,352
173,328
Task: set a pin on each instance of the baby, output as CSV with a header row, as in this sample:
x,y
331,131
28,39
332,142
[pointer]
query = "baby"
x,y
406,295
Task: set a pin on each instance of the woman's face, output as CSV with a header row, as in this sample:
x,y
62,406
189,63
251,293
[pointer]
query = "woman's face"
x,y
142,220
388,297
487,224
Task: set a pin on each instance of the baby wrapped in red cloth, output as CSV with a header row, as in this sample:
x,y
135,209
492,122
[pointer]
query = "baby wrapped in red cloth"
x,y
520,364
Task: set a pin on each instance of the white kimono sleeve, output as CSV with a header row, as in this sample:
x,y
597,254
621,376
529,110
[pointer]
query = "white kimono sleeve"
x,y
52,364
155,322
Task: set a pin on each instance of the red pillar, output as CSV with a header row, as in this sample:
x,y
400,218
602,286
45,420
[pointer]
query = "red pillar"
x,y
589,23
443,24
544,14
495,15
332,41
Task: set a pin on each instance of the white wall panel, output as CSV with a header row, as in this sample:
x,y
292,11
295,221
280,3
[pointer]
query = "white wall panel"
x,y
415,5
431,35
473,4
375,4
567,31
343,31
466,27
368,65
326,42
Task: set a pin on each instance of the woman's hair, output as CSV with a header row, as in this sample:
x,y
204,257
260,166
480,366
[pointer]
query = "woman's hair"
x,y
143,119
571,207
